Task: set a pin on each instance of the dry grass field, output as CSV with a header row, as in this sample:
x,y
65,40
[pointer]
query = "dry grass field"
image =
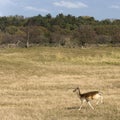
x,y
37,83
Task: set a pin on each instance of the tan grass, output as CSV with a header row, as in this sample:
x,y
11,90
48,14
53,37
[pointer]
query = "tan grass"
x,y
37,83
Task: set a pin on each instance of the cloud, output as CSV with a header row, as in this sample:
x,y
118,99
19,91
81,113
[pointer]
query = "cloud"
x,y
36,9
115,6
70,5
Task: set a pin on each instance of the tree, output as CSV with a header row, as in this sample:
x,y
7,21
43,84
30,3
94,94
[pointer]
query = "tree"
x,y
3,23
116,38
86,35
11,30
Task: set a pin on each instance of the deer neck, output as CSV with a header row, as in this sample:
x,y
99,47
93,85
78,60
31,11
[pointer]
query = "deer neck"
x,y
78,93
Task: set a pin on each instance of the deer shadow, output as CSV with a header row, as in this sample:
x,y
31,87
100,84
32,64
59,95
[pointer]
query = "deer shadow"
x,y
72,108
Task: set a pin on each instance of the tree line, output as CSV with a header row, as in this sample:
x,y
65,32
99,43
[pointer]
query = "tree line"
x,y
61,30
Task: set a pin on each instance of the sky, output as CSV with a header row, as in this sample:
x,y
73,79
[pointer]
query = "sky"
x,y
99,9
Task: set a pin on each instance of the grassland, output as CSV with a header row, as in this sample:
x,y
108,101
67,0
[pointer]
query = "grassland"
x,y
37,83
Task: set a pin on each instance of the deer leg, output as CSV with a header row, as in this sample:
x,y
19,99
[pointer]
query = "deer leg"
x,y
81,105
101,99
90,105
98,101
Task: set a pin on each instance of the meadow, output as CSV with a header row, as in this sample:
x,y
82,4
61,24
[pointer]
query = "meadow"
x,y
37,83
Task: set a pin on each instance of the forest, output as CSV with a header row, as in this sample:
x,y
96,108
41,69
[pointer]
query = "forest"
x,y
61,30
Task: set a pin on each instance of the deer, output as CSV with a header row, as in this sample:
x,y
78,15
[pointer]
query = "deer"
x,y
87,97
